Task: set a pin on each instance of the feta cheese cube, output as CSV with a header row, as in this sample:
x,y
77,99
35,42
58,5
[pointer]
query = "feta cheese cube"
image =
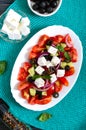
x,y
39,70
41,61
25,21
49,64
55,60
5,29
17,35
39,82
24,30
53,78
52,50
60,72
11,35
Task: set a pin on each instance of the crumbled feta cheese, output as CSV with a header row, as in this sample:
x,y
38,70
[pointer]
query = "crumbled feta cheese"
x,y
39,70
55,60
17,35
24,30
25,21
60,72
52,50
39,82
53,78
11,35
42,61
5,29
49,64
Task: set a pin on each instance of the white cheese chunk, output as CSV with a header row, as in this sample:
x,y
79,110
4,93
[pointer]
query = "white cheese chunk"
x,y
52,50
49,64
11,35
5,29
24,30
60,72
42,61
39,70
55,60
17,35
39,82
53,78
25,21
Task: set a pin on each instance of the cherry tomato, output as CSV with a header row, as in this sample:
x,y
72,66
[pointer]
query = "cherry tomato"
x,y
32,100
22,74
73,54
32,55
57,86
37,49
64,81
68,41
50,91
42,40
26,65
45,100
23,85
25,93
69,72
59,38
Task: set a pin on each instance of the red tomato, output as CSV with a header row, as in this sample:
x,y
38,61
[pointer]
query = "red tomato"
x,y
50,91
22,74
25,93
32,100
26,65
23,85
32,55
73,54
69,72
42,40
68,41
45,100
57,86
64,81
59,38
37,49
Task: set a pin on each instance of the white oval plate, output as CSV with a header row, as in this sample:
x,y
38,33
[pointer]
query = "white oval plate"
x,y
23,56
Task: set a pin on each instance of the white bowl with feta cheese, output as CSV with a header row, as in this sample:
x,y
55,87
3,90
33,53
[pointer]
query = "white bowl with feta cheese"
x,y
14,26
23,57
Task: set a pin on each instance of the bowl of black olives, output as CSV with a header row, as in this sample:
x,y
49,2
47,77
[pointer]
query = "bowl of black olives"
x,y
44,7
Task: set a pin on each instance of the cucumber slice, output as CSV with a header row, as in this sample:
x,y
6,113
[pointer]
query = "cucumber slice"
x,y
63,64
31,71
44,93
32,92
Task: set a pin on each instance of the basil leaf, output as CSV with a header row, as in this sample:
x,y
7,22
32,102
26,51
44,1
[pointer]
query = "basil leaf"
x,y
60,48
44,116
67,56
2,66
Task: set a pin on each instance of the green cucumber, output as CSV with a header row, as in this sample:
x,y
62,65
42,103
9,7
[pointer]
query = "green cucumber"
x,y
31,71
32,92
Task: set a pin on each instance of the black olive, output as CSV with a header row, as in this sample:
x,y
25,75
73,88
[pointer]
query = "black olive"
x,y
49,9
53,4
42,11
51,70
49,42
67,67
48,57
42,4
55,94
35,6
33,61
39,93
30,79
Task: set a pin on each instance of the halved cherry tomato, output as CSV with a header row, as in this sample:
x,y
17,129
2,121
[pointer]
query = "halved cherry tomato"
x,y
22,74
59,38
37,49
68,41
64,81
57,86
42,40
23,85
73,54
69,72
50,91
32,55
32,100
45,100
25,93
26,65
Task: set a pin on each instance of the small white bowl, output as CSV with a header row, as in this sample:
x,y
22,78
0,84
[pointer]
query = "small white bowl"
x,y
5,36
30,3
